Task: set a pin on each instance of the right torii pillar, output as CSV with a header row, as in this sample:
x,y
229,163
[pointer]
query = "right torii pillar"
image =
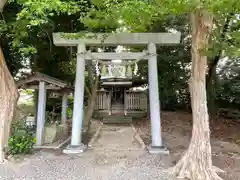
x,y
157,142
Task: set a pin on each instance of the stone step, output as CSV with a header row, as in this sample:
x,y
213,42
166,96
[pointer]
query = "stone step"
x,y
117,119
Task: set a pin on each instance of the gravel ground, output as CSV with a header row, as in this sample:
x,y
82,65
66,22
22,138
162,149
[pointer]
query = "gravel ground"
x,y
105,161
145,167
176,130
89,166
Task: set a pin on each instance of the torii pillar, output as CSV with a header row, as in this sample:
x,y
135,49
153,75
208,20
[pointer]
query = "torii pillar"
x,y
76,145
157,142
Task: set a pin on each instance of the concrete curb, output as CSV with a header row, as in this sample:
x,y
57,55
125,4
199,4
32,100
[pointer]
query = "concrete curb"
x,y
63,143
138,138
95,136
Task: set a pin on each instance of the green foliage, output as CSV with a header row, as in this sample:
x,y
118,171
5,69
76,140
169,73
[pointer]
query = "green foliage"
x,y
228,89
28,24
138,15
21,140
29,91
69,112
37,12
26,16
27,108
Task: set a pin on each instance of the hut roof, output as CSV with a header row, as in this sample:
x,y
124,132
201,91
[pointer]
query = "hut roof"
x,y
32,82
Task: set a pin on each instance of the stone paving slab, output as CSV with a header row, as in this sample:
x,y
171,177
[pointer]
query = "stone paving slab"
x,y
116,137
108,159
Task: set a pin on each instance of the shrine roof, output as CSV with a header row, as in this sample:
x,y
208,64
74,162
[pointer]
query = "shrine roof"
x,y
32,82
116,81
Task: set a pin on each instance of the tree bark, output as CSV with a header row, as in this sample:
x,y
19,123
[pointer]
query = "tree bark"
x,y
196,163
8,98
92,95
91,105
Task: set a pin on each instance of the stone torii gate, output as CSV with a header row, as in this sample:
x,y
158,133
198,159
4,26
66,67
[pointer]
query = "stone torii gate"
x,y
130,39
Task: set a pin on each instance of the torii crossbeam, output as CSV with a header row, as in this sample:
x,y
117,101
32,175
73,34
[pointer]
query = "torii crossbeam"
x,y
73,39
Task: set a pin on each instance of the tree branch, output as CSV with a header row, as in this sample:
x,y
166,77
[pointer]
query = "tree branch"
x,y
87,90
90,73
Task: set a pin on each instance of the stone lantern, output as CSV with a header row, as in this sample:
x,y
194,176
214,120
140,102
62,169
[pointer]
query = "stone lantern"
x,y
2,3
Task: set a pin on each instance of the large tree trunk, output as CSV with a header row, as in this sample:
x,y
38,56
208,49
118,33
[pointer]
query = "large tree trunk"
x,y
8,99
91,104
196,163
92,95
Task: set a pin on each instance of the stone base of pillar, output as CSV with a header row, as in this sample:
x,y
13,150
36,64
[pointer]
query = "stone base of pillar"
x,y
75,149
158,150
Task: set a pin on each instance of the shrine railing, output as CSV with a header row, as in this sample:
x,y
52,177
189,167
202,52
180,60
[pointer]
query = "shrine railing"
x,y
135,100
103,100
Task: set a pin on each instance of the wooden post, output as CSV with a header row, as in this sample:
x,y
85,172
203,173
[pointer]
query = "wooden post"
x,y
110,103
64,108
125,102
41,113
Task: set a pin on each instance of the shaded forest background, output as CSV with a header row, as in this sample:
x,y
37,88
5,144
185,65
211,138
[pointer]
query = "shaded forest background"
x,y
31,47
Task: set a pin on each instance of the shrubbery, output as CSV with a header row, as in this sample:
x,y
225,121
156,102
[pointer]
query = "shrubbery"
x,y
21,140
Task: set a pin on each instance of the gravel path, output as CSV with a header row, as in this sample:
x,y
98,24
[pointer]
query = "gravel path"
x,y
114,156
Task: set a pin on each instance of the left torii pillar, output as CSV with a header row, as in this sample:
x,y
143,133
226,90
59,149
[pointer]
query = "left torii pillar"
x,y
41,113
76,145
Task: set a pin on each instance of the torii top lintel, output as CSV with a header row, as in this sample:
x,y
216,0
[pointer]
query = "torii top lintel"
x,y
73,39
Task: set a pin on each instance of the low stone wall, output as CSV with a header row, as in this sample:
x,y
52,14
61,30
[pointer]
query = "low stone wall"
x,y
53,132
